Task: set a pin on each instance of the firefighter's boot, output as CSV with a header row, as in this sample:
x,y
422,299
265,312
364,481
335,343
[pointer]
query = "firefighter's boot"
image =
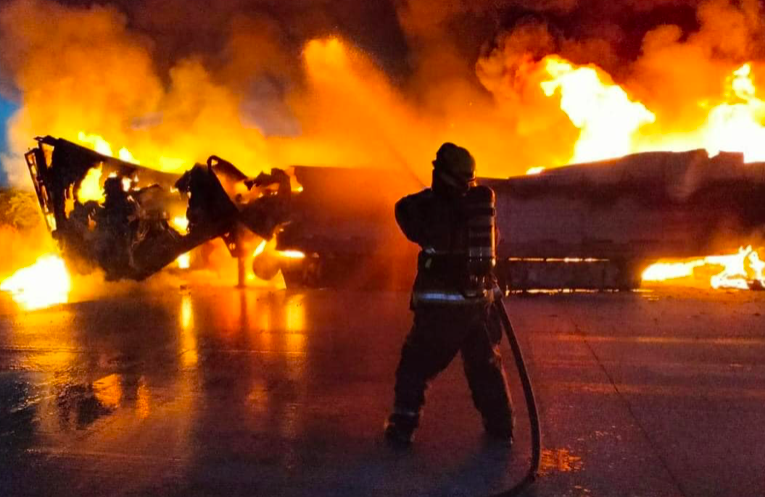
x,y
400,427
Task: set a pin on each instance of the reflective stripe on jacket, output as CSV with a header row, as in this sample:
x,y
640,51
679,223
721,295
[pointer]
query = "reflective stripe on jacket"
x,y
445,297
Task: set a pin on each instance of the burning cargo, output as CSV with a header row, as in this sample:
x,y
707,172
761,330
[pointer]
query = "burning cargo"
x,y
594,226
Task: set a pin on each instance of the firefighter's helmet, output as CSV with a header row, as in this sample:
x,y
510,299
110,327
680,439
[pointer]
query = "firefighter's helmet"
x,y
455,162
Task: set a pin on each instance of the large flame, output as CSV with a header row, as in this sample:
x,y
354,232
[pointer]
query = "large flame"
x,y
43,284
612,124
602,110
741,270
737,124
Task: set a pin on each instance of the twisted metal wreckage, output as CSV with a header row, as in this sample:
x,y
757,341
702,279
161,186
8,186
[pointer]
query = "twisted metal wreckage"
x,y
127,231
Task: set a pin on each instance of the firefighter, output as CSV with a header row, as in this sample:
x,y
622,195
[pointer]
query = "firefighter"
x,y
449,317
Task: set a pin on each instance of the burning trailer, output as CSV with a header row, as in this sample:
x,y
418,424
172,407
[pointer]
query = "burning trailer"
x,y
131,221
586,226
600,225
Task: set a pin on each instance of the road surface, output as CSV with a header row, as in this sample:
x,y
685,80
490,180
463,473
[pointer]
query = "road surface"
x,y
222,392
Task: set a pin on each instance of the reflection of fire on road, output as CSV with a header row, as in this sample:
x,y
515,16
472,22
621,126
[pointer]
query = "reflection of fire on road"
x,y
560,460
188,340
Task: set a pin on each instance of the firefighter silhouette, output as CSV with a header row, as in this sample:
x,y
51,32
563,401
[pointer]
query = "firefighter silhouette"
x,y
449,317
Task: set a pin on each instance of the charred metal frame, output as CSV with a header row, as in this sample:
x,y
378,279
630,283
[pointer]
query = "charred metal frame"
x,y
128,233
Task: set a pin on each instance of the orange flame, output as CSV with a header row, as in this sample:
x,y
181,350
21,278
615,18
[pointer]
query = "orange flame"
x,y
184,261
602,110
612,124
739,270
95,142
291,254
43,284
737,124
90,187
260,248
180,223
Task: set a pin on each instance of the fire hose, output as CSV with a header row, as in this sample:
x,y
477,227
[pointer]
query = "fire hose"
x,y
531,404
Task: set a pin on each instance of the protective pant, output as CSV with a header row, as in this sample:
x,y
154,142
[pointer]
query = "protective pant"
x,y
438,333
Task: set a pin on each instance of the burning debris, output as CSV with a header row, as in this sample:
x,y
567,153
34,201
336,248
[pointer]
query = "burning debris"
x,y
131,221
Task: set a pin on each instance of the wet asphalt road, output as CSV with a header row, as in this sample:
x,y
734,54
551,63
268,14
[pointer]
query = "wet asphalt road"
x,y
215,391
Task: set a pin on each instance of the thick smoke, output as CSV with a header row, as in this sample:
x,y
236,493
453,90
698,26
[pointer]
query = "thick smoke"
x,y
265,83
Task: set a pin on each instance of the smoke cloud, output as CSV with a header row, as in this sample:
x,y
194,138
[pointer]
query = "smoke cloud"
x,y
267,83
